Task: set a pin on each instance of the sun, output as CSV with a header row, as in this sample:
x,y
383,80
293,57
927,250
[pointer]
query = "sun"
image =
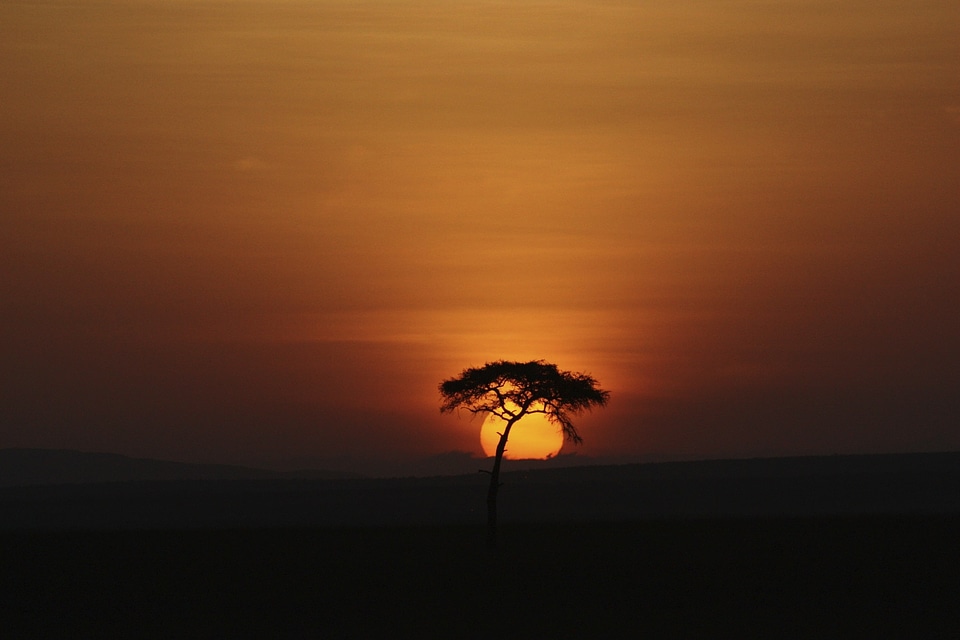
x,y
532,437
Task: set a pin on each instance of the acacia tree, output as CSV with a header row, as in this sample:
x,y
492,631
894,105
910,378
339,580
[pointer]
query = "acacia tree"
x,y
512,390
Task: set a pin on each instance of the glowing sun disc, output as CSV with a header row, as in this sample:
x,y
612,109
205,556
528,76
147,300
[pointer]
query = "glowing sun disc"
x,y
533,437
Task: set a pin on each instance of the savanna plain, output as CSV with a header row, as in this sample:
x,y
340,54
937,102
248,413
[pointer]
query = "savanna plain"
x,y
824,576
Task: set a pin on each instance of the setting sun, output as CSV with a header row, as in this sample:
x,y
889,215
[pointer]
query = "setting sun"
x,y
533,437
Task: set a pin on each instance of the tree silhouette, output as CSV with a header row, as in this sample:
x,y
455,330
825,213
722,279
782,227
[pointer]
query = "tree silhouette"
x,y
512,390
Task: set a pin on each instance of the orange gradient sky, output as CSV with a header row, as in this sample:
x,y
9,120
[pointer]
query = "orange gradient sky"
x,y
263,232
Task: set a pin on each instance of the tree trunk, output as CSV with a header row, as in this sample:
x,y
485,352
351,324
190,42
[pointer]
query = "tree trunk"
x,y
495,488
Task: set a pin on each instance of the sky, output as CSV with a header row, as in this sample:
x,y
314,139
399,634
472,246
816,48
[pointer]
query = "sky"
x,y
262,232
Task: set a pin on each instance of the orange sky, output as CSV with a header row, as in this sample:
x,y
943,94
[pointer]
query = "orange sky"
x,y
263,232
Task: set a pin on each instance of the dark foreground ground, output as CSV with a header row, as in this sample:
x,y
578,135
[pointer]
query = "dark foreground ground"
x,y
813,577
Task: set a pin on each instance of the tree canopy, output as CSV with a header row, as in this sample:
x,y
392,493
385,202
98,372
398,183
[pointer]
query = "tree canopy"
x,y
510,390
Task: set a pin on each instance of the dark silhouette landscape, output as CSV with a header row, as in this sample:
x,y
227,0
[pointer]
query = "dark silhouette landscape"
x,y
271,232
840,546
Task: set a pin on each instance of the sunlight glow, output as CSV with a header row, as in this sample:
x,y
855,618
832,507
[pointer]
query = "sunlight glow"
x,y
533,437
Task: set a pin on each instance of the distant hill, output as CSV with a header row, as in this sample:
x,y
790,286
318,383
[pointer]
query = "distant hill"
x,y
31,467
101,491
